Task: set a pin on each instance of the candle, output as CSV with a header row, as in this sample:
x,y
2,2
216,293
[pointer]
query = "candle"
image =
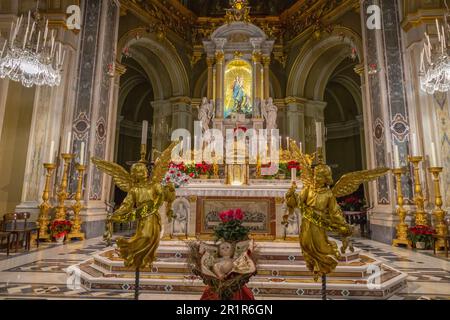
x,y
396,157
287,143
414,144
438,30
319,134
52,150
300,146
82,153
69,141
144,132
293,174
281,146
433,157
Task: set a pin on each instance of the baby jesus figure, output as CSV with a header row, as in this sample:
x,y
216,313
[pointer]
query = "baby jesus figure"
x,y
223,264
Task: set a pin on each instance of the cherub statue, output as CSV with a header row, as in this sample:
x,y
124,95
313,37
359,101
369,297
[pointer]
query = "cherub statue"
x,y
143,201
206,113
321,212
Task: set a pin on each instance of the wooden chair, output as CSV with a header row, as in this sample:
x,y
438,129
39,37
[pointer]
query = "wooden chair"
x,y
7,236
446,243
18,226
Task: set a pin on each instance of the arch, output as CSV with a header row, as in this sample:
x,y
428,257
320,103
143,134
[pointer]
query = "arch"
x,y
248,29
166,53
313,52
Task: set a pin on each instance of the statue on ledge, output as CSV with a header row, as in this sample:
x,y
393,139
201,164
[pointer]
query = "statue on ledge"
x,y
270,113
206,113
143,201
321,212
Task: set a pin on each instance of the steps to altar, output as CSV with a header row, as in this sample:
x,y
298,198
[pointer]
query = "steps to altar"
x,y
281,273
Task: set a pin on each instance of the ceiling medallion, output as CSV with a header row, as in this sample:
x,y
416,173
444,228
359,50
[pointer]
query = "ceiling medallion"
x,y
240,11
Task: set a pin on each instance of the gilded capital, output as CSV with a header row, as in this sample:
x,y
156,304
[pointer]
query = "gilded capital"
x,y
266,61
220,56
256,57
359,69
210,61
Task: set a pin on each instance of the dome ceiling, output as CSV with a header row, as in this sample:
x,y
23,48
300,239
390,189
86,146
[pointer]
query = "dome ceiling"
x,y
218,7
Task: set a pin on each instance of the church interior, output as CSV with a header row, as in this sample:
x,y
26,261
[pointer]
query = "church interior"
x,y
224,149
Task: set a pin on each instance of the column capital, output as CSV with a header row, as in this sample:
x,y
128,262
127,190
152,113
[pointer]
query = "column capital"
x,y
256,57
120,69
210,61
295,101
359,69
220,56
266,61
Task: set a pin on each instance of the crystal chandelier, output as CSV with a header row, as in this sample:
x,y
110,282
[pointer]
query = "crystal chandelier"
x,y
435,61
31,56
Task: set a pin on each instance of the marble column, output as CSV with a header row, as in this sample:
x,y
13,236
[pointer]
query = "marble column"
x,y
182,114
210,91
295,119
258,76
389,118
314,112
219,83
51,120
162,112
93,116
266,64
4,83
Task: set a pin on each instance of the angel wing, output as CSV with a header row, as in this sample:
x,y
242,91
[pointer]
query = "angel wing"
x,y
305,161
121,177
350,182
162,163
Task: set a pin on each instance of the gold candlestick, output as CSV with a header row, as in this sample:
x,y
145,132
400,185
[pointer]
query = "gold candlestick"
x,y
75,232
63,194
144,153
45,206
421,215
402,228
441,225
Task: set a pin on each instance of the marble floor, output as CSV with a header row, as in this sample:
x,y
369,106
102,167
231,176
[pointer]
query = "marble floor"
x,y
41,273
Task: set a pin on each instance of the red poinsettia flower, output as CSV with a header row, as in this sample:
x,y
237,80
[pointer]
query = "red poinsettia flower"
x,y
238,214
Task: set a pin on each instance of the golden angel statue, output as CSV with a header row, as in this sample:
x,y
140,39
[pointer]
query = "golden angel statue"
x,y
321,212
143,201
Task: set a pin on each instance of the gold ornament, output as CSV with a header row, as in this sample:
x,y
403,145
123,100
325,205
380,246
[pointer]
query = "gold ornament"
x,y
402,228
142,203
45,206
441,225
63,194
421,215
321,212
75,232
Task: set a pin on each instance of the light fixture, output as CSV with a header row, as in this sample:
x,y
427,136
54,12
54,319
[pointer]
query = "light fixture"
x,y
31,56
435,61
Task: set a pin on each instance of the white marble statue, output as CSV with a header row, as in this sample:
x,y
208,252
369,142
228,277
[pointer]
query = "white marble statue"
x,y
269,112
206,113
180,222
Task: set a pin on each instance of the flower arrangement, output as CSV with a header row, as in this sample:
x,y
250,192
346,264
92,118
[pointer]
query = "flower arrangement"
x,y
60,228
421,234
203,168
176,175
352,203
231,228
